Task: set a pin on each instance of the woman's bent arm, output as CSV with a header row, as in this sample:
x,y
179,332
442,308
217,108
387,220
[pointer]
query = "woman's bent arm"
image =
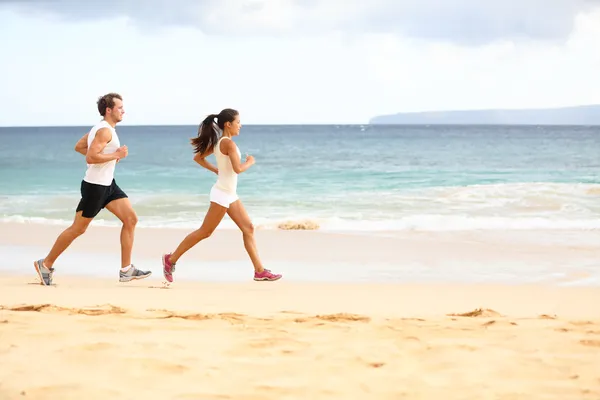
x,y
201,159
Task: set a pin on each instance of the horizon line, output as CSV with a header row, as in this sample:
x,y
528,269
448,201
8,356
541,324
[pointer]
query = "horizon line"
x,y
179,124
429,123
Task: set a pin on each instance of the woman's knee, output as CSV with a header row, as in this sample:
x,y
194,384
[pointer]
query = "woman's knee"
x,y
203,233
248,229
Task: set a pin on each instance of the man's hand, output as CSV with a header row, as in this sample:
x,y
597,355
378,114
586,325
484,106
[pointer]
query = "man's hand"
x,y
122,152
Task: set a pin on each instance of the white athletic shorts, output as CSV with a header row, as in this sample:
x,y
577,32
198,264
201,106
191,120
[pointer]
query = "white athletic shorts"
x,y
222,198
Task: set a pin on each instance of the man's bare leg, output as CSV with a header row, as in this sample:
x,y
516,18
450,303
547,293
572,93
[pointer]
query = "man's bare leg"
x,y
123,210
44,266
64,240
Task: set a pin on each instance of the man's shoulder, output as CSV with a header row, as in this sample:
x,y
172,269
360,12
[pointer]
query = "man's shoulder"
x,y
103,126
101,132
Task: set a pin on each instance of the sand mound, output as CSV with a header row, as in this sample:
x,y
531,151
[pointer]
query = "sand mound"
x,y
305,225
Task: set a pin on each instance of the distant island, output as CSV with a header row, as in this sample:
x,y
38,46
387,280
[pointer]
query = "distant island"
x,y
579,115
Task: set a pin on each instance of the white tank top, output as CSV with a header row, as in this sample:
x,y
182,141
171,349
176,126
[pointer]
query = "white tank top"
x,y
102,174
227,179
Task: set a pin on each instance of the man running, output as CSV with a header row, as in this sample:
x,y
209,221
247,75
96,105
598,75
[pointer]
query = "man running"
x,y
102,150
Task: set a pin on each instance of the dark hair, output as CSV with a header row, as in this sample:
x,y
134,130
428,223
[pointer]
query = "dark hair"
x,y
107,101
207,134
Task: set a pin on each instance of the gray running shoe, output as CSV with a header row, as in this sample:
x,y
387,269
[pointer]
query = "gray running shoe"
x,y
44,273
133,273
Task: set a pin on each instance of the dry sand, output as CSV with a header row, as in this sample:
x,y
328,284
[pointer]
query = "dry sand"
x,y
86,338
97,339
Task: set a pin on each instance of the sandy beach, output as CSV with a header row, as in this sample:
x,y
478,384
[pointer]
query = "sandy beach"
x,y
98,339
95,338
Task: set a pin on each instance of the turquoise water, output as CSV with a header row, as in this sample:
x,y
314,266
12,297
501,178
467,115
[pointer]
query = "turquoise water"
x,y
340,177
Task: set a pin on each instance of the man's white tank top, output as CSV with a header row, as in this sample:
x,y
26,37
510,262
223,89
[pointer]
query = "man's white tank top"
x,y
227,180
102,174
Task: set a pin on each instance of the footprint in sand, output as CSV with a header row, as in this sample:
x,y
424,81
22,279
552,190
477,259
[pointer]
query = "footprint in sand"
x,y
104,329
340,317
375,364
165,314
270,342
88,353
479,312
198,396
49,308
591,343
74,391
498,323
155,365
581,323
93,347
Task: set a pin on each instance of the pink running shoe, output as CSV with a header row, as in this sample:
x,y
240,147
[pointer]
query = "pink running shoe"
x,y
266,275
168,267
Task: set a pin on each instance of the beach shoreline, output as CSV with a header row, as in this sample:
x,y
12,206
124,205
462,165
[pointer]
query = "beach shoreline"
x,y
526,257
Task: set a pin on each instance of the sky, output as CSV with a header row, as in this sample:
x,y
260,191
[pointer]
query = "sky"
x,y
292,61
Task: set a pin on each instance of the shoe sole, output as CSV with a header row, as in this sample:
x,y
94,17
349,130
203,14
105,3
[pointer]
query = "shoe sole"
x,y
37,269
164,268
135,278
267,279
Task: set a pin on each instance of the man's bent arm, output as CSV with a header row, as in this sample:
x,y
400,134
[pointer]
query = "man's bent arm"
x,y
81,146
94,156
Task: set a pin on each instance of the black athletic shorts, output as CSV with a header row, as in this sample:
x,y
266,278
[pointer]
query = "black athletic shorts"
x,y
95,197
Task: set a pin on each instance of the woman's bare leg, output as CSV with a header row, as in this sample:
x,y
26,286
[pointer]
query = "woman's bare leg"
x,y
212,219
238,214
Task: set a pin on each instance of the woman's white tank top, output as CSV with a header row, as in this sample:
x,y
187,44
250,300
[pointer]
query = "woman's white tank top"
x,y
227,178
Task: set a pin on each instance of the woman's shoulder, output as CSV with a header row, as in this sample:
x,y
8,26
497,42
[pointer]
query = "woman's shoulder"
x,y
228,142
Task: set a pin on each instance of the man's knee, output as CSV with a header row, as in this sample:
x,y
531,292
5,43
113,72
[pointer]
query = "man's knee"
x,y
78,229
130,220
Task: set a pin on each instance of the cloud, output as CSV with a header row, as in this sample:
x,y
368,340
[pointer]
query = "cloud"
x,y
465,22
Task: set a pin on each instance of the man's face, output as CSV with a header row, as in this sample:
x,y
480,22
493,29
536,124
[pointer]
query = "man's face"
x,y
116,113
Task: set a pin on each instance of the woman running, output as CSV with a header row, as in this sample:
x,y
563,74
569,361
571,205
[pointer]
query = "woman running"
x,y
223,195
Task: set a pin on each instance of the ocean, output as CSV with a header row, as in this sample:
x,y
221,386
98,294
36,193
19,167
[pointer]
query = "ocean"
x,y
335,177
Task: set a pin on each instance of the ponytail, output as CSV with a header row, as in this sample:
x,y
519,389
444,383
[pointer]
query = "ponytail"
x,y
208,135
